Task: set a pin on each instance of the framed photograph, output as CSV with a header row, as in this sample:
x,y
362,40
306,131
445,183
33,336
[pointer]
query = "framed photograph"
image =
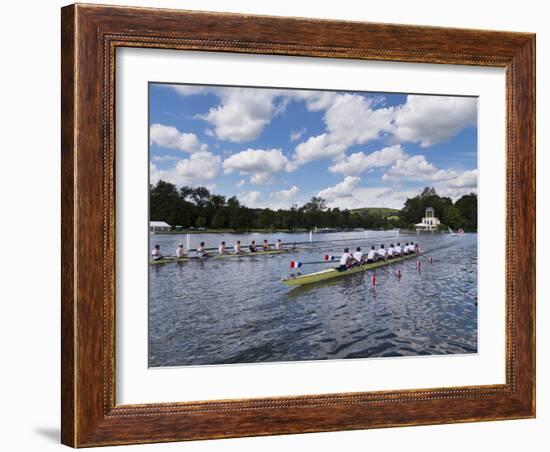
x,y
281,225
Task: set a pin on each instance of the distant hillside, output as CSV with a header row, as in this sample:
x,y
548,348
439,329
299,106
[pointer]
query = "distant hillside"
x,y
384,212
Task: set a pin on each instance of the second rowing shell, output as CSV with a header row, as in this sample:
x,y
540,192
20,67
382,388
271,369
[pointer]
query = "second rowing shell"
x,y
332,273
218,256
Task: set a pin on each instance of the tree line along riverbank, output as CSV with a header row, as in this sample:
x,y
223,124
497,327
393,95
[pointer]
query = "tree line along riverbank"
x,y
203,212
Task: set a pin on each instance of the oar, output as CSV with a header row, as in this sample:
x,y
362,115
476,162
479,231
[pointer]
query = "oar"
x,y
295,264
327,260
429,259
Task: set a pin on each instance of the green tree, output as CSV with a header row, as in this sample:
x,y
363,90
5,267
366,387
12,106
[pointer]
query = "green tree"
x,y
451,217
316,204
233,203
266,219
200,196
218,221
467,205
201,222
186,192
217,201
167,205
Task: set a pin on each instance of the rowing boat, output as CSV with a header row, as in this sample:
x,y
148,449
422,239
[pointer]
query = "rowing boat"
x,y
332,273
167,260
248,254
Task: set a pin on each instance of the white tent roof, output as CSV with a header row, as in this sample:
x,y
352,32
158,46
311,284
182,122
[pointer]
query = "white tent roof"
x,y
159,224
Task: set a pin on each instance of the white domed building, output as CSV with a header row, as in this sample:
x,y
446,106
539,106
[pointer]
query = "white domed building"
x,y
430,222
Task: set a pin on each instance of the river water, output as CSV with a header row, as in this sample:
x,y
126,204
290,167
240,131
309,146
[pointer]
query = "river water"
x,y
238,311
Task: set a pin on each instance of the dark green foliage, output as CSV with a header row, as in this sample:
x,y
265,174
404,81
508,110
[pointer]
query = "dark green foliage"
x,y
467,206
199,208
201,222
378,211
462,214
167,204
451,217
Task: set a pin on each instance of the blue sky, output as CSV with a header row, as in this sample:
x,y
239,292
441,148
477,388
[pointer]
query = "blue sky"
x,y
278,147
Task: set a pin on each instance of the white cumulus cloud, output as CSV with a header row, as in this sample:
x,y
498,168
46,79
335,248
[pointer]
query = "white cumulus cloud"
x,y
250,198
414,167
343,189
360,162
316,100
295,135
165,158
170,137
243,113
286,194
393,197
199,169
259,164
353,119
447,182
350,119
317,148
429,120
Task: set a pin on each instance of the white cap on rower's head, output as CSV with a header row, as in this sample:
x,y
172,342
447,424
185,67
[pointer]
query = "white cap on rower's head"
x,y
180,245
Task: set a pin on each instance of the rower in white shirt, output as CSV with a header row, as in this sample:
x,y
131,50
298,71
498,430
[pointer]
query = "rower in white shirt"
x,y
391,251
371,257
222,249
279,244
156,254
358,256
180,251
201,250
237,247
345,260
406,248
397,250
382,253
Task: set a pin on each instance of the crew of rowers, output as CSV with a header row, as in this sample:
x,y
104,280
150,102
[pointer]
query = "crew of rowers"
x,y
349,259
201,251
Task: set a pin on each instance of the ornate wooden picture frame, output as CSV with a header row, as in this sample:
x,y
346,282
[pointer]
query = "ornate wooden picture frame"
x,y
90,37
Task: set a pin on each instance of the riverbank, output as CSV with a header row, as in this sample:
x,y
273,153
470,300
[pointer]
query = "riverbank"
x,y
286,231
232,231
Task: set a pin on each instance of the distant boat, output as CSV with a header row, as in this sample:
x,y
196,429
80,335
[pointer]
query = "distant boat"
x,y
458,233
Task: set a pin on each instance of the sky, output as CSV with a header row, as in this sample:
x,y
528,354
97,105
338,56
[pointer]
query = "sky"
x,y
279,147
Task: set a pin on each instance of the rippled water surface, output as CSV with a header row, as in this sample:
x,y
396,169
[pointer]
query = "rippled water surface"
x,y
238,311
